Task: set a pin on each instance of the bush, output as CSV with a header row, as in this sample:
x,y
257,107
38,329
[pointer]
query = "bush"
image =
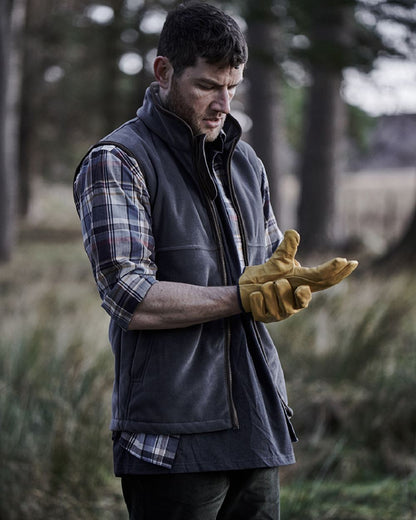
x,y
55,445
56,375
350,362
387,499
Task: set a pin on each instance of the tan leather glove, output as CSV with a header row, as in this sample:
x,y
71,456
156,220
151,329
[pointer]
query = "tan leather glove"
x,y
274,301
282,264
279,265
324,275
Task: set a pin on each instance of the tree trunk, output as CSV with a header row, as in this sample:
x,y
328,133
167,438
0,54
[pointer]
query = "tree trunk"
x,y
110,95
6,230
31,99
403,253
264,95
324,129
12,15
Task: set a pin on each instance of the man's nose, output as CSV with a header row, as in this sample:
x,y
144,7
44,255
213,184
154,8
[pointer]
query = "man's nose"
x,y
222,101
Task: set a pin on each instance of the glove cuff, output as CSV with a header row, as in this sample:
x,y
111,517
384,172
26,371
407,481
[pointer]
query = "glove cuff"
x,y
240,302
243,293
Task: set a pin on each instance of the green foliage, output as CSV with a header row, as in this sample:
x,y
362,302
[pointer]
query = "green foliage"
x,y
350,363
73,91
293,103
360,125
55,381
347,33
55,446
386,499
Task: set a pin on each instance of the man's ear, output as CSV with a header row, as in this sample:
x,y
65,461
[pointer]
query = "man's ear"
x,y
163,71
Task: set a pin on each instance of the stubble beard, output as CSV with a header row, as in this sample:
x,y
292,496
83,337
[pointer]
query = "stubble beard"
x,y
176,103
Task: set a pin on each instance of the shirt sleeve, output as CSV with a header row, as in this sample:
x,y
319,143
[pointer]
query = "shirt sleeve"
x,y
273,234
114,207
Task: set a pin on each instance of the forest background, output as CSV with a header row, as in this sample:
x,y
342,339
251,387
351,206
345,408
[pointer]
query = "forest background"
x,y
70,71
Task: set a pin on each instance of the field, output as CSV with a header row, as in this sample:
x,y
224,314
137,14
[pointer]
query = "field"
x,y
373,207
350,363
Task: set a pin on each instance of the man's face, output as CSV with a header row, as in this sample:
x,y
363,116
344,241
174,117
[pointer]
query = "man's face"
x,y
202,94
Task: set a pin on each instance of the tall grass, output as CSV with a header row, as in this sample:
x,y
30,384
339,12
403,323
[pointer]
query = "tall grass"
x,y
55,382
386,499
350,364
349,360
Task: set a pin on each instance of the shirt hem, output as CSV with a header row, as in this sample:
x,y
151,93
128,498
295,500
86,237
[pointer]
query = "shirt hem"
x,y
205,467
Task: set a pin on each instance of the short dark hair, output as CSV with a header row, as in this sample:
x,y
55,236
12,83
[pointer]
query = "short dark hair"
x,y
200,30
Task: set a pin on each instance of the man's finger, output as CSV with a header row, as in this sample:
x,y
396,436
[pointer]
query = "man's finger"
x,y
284,298
303,296
324,275
288,247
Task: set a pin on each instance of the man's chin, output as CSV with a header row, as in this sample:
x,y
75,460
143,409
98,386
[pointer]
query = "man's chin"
x,y
211,135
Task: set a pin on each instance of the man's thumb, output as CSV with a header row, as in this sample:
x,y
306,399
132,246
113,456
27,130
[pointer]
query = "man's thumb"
x,y
288,247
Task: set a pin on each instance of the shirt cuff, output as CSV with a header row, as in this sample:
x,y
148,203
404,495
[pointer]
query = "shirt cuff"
x,y
121,302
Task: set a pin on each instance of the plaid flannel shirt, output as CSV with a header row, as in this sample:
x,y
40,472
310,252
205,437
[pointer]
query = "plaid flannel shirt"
x,y
114,207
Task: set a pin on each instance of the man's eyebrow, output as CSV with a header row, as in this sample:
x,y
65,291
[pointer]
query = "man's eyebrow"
x,y
214,83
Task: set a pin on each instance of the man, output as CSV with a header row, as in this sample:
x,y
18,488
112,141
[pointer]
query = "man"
x,y
173,208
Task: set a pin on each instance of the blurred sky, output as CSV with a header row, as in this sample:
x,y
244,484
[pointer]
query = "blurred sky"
x,y
391,86
389,89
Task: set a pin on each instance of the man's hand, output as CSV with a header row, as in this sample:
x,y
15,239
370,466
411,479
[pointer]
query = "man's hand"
x,y
279,265
324,275
274,301
256,292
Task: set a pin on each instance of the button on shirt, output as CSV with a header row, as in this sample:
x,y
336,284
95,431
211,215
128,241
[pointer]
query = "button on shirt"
x,y
263,438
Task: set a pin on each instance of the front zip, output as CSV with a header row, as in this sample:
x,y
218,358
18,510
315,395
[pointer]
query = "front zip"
x,y
218,233
243,239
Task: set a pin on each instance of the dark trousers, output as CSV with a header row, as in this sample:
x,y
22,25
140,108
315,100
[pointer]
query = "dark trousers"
x,y
251,494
